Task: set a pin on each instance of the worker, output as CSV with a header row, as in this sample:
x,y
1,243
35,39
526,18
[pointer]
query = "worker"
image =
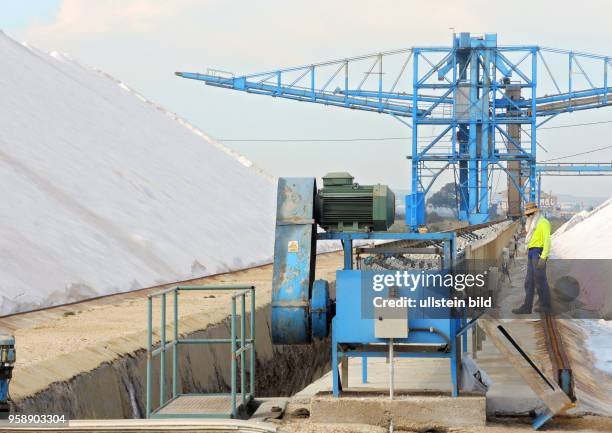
x,y
537,241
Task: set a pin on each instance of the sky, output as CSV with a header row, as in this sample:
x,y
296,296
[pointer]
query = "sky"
x,y
143,42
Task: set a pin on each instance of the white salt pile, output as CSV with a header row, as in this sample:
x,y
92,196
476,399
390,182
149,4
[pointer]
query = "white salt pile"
x,y
589,236
586,236
572,222
105,191
600,342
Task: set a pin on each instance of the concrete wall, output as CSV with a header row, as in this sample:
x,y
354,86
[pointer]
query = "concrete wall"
x,y
490,249
118,389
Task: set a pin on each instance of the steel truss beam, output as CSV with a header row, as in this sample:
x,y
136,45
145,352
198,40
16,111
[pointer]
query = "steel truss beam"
x,y
571,169
462,93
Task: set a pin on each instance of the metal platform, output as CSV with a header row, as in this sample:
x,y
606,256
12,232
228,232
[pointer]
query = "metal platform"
x,y
212,405
199,406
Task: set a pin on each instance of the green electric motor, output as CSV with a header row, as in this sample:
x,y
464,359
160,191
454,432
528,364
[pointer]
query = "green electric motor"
x,y
343,205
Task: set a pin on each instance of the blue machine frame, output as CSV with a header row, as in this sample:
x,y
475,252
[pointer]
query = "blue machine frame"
x,y
294,260
349,327
479,101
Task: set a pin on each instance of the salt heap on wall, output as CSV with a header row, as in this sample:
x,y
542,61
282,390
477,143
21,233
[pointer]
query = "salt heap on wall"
x,y
588,235
584,243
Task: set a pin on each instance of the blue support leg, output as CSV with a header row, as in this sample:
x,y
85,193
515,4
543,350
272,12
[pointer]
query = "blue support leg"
x,y
347,245
454,371
364,368
566,381
334,363
454,359
465,336
541,419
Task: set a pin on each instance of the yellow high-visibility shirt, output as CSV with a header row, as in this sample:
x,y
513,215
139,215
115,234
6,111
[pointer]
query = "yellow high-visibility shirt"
x,y
541,237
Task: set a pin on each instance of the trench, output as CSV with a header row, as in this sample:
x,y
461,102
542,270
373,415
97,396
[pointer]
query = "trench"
x,y
117,389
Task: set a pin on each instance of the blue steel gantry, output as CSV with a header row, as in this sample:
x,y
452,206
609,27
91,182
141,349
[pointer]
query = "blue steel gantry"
x,y
474,106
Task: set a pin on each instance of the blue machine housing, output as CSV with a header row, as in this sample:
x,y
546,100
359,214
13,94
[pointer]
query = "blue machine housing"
x,y
360,327
301,307
350,329
294,261
353,332
415,209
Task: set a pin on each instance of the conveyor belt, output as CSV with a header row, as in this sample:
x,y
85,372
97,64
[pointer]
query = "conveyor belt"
x,y
463,232
546,388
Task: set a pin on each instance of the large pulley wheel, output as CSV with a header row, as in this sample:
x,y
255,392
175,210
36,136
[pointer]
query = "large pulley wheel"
x,y
320,311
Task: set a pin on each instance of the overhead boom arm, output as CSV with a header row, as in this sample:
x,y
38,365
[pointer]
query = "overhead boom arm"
x,y
474,106
338,98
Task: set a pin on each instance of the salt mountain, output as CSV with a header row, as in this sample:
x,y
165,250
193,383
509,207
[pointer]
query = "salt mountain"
x,y
104,191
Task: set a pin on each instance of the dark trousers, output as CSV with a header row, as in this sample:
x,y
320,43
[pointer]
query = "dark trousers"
x,y
536,278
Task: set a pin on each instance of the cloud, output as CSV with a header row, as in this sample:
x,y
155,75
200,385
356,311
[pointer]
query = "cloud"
x,y
298,31
77,18
268,28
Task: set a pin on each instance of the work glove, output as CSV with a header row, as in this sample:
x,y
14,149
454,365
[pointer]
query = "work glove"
x,y
541,263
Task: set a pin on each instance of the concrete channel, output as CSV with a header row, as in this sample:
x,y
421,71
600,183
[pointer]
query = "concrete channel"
x,y
117,389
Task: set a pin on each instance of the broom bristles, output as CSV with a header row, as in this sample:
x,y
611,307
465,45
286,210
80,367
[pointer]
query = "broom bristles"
x,y
593,387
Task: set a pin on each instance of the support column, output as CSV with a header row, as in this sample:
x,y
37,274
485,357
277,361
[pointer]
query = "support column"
x,y
347,245
413,212
485,142
344,370
532,161
334,363
364,368
463,136
473,134
513,92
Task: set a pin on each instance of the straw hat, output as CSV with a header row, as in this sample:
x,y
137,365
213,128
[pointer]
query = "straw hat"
x,y
531,208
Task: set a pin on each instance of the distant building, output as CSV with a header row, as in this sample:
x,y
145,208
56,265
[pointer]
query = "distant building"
x,y
548,201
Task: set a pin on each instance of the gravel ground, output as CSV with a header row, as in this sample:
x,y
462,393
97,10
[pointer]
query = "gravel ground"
x,y
589,424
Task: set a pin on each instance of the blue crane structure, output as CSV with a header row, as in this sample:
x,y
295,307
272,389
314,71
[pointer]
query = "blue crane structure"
x,y
474,107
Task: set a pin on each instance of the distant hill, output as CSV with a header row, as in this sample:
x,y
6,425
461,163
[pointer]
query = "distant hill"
x,y
587,201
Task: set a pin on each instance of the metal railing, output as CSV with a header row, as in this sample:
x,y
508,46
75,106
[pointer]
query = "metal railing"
x,y
240,344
